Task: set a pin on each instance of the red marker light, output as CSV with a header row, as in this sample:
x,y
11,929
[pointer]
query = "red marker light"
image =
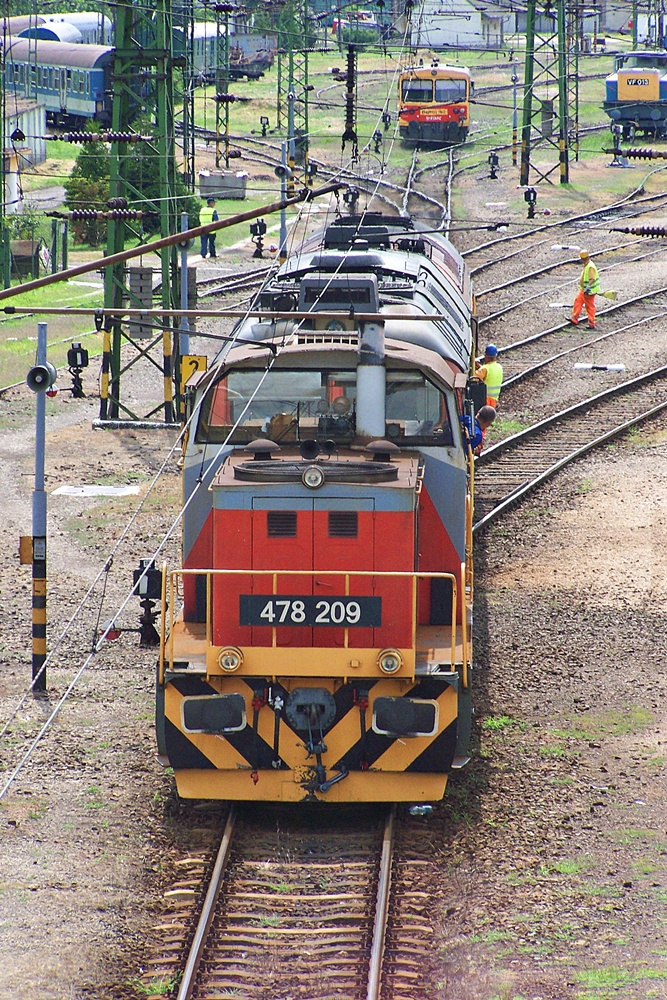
x,y
52,392
110,632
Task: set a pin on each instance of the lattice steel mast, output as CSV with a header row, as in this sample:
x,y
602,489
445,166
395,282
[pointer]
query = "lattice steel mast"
x,y
143,70
551,89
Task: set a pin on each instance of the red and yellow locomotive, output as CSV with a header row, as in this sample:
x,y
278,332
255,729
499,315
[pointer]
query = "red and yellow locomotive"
x,y
434,104
316,642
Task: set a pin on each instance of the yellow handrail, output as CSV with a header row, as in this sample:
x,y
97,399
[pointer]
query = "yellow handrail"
x,y
169,610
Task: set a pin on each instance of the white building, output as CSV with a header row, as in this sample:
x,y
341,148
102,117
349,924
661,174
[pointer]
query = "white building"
x,y
470,24
25,119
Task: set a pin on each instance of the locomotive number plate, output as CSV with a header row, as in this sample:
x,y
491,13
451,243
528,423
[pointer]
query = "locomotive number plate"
x,y
308,611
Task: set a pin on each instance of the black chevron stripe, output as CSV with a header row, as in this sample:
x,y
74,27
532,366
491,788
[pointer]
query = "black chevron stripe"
x,y
438,755
374,745
181,752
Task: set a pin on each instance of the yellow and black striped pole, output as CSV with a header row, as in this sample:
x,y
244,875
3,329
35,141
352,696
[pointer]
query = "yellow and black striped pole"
x,y
40,379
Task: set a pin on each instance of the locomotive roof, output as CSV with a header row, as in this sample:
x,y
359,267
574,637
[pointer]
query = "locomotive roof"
x,y
442,71
62,53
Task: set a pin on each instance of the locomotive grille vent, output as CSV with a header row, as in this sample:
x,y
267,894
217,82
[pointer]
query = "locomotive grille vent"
x,y
343,524
306,337
282,523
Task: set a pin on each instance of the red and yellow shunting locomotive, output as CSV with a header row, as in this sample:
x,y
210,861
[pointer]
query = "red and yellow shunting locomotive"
x,y
317,639
434,104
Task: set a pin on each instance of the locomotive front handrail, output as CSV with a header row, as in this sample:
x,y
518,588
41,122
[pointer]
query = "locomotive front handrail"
x,y
171,590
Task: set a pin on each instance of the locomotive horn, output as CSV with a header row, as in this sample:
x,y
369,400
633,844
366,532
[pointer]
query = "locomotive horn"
x,y
309,449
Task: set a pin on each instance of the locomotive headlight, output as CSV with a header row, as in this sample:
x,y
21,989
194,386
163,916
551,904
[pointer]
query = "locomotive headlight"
x,y
313,477
230,658
390,660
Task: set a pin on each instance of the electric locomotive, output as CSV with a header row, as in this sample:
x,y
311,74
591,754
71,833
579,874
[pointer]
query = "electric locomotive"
x,y
636,93
316,642
434,104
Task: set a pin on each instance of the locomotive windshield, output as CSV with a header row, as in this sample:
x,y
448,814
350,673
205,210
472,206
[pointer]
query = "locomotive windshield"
x,y
293,405
450,90
418,91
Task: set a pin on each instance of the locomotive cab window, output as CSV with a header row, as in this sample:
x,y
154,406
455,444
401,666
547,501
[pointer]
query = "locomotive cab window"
x,y
294,405
417,91
449,91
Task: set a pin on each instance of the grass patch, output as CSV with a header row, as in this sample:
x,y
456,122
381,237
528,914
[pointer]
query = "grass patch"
x,y
613,977
498,723
155,987
613,723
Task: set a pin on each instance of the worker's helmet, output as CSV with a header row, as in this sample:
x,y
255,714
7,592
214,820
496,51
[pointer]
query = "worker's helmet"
x,y
584,255
491,351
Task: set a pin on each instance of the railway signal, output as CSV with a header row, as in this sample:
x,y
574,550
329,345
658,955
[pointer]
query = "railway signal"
x,y
40,379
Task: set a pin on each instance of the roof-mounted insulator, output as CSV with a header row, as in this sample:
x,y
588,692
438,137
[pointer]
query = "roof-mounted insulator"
x,y
639,154
225,8
654,232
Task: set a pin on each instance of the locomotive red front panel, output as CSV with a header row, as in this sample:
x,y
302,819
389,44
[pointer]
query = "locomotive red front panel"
x,y
281,532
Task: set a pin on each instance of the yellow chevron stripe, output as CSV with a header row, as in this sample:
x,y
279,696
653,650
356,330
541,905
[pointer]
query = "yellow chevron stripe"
x,y
347,731
220,753
403,752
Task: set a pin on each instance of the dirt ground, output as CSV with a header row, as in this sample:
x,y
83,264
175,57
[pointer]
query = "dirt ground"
x,y
551,848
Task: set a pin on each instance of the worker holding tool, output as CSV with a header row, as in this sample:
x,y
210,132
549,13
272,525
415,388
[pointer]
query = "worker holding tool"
x,y
589,286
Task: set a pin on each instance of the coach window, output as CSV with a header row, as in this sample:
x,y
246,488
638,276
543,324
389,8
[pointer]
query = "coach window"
x,y
450,90
417,91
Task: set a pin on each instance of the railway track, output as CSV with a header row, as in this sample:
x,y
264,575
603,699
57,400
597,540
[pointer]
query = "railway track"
x,y
614,212
309,904
224,284
514,467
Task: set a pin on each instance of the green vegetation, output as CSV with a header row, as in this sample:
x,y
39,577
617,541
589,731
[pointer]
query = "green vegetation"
x,y
498,723
155,987
596,725
615,978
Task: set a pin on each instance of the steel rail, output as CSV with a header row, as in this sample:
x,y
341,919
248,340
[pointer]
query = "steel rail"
x,y
561,326
527,372
196,949
615,206
535,429
516,495
537,295
381,907
556,264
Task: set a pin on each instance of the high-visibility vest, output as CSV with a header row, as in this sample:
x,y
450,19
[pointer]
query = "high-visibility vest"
x,y
493,379
590,276
206,215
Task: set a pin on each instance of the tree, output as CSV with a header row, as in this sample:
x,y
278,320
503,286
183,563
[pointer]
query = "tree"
x,y
88,188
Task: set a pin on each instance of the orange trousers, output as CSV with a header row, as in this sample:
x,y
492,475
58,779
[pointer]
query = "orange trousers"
x,y
584,300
